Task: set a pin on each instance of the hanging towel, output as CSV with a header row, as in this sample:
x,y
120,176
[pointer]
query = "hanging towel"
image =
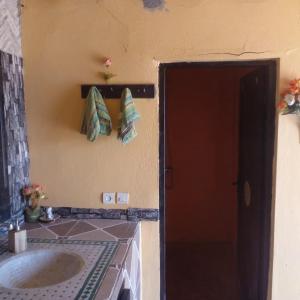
x,y
129,115
96,120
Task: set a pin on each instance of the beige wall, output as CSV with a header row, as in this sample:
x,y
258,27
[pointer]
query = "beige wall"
x,y
63,42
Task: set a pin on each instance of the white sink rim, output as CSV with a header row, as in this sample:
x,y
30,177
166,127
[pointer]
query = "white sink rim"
x,y
73,265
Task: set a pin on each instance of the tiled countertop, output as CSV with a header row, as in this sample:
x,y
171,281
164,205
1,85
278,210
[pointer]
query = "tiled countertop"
x,y
124,268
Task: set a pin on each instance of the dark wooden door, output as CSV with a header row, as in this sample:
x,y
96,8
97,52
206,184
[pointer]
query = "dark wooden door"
x,y
254,188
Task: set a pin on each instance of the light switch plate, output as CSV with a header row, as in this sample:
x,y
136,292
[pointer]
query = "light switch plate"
x,y
122,198
108,198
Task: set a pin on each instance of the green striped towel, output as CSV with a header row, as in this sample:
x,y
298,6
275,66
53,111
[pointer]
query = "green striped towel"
x,y
96,120
129,115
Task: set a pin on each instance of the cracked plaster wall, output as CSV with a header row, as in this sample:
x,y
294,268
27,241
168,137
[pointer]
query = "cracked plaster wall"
x,y
64,42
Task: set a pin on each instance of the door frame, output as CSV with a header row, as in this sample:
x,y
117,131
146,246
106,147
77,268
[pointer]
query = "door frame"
x,y
271,66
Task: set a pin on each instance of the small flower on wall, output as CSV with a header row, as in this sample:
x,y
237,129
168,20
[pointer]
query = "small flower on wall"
x,y
290,102
107,62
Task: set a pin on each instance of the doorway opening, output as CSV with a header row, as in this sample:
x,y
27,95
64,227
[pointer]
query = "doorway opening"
x,y
217,128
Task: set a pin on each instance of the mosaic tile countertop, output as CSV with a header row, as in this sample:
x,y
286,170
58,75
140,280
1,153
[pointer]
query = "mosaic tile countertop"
x,y
110,248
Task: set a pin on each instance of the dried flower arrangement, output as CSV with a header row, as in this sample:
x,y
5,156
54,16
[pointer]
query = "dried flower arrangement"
x,y
290,102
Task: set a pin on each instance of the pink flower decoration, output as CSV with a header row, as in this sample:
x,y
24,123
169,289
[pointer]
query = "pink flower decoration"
x,y
27,191
107,62
36,187
31,189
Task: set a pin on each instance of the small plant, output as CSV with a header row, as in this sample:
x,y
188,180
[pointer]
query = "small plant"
x,y
33,193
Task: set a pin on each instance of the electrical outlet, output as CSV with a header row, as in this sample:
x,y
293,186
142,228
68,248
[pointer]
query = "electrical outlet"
x,y
108,198
122,198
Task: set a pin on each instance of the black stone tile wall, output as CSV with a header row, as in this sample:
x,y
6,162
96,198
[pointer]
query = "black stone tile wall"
x,y
13,106
130,214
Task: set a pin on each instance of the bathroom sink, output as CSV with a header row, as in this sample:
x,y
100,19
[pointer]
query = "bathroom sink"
x,y
39,268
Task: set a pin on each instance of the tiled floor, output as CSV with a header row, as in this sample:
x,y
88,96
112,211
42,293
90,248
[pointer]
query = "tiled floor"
x,y
201,272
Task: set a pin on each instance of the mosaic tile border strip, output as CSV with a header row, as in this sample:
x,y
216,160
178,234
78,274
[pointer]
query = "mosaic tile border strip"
x,y
130,214
93,282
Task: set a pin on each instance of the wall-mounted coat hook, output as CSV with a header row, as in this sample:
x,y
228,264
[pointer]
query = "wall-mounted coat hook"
x,y
114,91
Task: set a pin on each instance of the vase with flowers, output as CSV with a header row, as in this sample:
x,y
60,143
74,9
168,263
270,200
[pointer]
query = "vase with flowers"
x,y
290,102
33,193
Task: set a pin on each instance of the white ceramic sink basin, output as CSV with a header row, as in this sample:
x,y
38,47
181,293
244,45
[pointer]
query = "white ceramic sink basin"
x,y
39,268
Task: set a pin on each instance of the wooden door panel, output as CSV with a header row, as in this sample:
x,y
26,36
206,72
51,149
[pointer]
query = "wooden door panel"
x,y
251,183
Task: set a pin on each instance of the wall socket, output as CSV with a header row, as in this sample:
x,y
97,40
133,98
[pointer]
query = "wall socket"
x,y
109,198
122,198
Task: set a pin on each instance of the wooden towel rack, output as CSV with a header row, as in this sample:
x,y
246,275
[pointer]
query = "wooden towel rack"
x,y
114,91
